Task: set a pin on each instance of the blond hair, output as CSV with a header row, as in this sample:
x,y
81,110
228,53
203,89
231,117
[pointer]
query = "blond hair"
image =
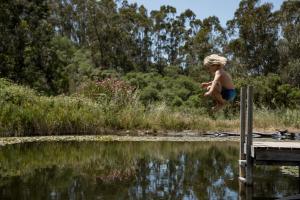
x,y
214,59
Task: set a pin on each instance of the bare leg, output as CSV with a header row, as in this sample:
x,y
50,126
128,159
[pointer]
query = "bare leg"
x,y
216,95
220,102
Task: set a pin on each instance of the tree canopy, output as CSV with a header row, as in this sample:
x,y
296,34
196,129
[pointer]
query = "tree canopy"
x,y
54,45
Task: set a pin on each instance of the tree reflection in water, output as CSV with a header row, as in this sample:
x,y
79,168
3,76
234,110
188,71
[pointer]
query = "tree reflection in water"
x,y
131,170
200,174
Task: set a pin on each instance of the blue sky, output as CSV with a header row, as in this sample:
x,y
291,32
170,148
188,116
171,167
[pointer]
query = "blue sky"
x,y
223,9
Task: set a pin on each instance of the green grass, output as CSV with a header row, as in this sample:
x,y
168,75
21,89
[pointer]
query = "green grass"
x,y
266,119
24,112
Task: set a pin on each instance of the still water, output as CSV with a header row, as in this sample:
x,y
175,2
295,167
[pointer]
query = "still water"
x,y
132,170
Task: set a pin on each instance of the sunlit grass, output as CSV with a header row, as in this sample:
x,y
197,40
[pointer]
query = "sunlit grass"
x,y
282,119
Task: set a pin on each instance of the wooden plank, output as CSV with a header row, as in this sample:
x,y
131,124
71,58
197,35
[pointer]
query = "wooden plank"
x,y
294,197
276,153
276,145
281,155
278,163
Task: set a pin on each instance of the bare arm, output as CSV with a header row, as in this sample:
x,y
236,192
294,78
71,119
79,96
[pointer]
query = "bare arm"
x,y
205,85
214,83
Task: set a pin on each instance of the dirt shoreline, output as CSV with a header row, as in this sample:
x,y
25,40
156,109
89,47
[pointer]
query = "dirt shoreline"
x,y
108,138
143,136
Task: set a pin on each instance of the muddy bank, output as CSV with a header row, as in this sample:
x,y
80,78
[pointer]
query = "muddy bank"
x,y
15,140
183,136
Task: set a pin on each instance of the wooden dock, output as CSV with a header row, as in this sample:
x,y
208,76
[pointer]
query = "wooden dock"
x,y
259,153
276,153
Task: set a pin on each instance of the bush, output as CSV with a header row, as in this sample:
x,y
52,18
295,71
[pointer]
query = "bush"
x,y
270,92
194,101
154,87
172,71
109,90
177,101
149,95
24,112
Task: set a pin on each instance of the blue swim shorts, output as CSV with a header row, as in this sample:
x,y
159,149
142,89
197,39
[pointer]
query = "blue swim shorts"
x,y
228,94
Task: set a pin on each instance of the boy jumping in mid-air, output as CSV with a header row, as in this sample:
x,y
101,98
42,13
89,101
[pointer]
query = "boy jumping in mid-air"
x,y
221,88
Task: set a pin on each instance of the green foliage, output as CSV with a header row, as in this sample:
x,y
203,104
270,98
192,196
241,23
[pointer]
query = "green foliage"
x,y
81,69
195,101
109,90
255,28
24,112
174,90
269,91
149,95
64,47
26,51
172,71
55,46
291,72
177,101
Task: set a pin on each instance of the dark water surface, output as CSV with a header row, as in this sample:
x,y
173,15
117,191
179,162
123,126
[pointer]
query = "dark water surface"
x,y
132,170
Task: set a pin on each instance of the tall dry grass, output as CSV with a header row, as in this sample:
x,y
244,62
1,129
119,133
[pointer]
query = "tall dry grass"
x,y
24,112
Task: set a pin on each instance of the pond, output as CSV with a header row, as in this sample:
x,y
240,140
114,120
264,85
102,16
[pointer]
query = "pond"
x,y
132,170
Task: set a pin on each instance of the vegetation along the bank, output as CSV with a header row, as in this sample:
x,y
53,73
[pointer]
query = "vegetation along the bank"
x,y
85,67
114,105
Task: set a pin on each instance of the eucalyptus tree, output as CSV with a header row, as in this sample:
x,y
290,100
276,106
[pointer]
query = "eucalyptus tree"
x,y
192,27
162,20
254,36
25,51
175,32
106,38
171,33
144,38
69,19
185,26
209,38
137,27
289,44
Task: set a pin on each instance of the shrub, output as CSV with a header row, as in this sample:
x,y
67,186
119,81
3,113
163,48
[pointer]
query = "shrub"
x,y
270,92
149,95
109,90
177,101
154,87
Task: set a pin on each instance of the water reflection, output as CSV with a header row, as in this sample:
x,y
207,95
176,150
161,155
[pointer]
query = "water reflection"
x,y
131,170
